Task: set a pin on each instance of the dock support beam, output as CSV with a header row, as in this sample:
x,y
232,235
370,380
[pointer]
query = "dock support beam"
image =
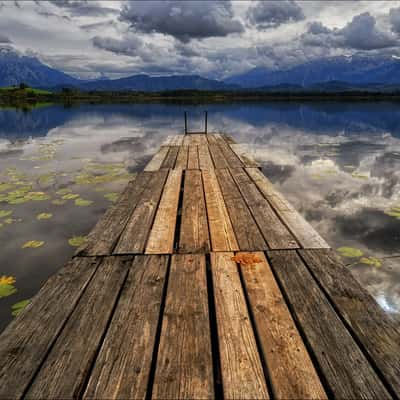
x,y
205,122
185,123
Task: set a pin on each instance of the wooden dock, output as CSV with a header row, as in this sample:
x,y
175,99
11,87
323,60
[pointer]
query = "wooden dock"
x,y
200,282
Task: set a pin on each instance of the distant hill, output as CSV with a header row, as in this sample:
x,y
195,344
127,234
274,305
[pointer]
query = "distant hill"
x,y
355,70
16,68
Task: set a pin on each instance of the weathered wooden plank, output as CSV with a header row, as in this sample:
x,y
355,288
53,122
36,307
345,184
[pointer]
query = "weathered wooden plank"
x,y
205,161
374,329
301,229
162,234
344,366
193,158
177,140
169,161
195,139
184,362
290,369
156,162
241,369
274,231
186,140
246,159
231,158
221,231
246,230
182,158
212,139
219,139
104,236
133,238
194,237
168,140
218,157
202,140
122,368
25,342
64,372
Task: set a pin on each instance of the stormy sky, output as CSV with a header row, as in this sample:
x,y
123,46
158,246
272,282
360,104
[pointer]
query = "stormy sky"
x,y
211,38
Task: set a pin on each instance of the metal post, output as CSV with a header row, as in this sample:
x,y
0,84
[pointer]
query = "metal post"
x,y
205,125
185,123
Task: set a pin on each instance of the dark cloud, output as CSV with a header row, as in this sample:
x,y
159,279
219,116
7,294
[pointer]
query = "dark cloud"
x,y
184,20
394,18
360,33
127,46
4,39
80,8
270,14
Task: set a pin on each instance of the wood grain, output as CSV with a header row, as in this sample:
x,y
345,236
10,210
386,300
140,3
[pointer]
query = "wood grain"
x,y
156,162
242,373
274,231
231,158
177,140
194,237
162,234
247,234
205,161
123,366
27,339
221,231
344,366
218,157
184,363
377,332
245,158
193,158
134,236
290,369
169,161
182,158
63,374
302,230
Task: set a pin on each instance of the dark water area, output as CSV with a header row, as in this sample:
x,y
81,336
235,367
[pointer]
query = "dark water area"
x,y
60,168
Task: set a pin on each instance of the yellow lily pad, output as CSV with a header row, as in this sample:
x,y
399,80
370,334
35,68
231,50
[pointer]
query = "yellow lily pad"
x,y
350,252
33,244
77,241
376,262
44,216
5,213
70,196
7,280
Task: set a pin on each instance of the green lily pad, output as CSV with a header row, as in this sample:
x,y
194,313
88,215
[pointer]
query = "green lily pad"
x,y
58,202
112,196
5,213
376,262
70,196
358,175
82,202
62,192
5,186
349,252
37,196
7,290
44,216
33,244
77,241
17,308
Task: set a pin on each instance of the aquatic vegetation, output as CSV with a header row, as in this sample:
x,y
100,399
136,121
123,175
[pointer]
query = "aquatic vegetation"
x,y
7,287
70,196
33,244
358,175
350,252
17,308
44,216
376,262
77,241
64,191
82,202
5,186
112,196
5,213
393,212
58,202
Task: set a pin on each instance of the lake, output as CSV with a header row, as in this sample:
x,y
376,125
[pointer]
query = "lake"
x,y
60,168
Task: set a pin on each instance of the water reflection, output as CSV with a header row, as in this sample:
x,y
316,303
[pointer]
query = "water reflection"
x,y
339,164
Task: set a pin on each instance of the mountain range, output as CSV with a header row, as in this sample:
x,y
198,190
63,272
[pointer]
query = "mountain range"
x,y
325,74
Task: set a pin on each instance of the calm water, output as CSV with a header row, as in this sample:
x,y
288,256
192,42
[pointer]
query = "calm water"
x,y
60,168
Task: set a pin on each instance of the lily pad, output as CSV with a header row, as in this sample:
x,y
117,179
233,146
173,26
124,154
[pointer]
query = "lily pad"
x,y
33,244
44,216
82,202
77,241
17,308
7,280
58,202
7,290
5,213
64,191
358,175
376,262
70,196
350,252
112,196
